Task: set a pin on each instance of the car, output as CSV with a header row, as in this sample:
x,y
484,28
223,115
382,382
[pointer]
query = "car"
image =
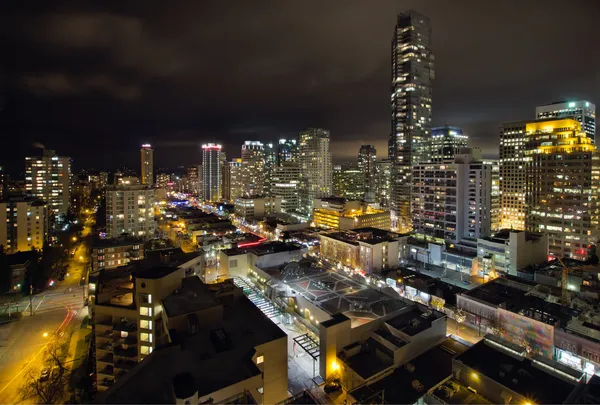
x,y
45,374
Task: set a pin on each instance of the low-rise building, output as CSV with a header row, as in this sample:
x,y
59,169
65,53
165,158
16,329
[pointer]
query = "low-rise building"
x,y
222,349
369,249
23,225
255,207
340,214
509,251
17,265
116,252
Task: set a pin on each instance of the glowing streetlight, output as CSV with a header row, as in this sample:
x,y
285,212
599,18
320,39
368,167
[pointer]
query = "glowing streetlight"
x,y
45,334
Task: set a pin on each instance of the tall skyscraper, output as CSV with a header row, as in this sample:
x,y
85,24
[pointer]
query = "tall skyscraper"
x,y
130,209
147,164
412,75
253,168
561,186
270,163
384,182
512,176
348,182
48,178
211,172
287,151
367,157
445,143
285,184
583,111
314,155
234,180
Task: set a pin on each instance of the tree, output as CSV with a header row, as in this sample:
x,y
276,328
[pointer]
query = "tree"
x,y
53,389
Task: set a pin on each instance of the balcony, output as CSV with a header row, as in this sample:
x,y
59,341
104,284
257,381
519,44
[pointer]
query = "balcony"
x,y
125,327
107,370
107,358
128,340
130,352
125,364
106,346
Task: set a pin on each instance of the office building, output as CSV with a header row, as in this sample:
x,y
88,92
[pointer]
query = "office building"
x,y
512,176
287,151
23,225
348,182
583,111
48,178
561,186
412,76
235,179
368,249
256,207
285,184
384,182
193,176
116,252
495,212
253,168
340,214
270,163
211,172
445,143
452,201
130,210
147,164
367,158
315,167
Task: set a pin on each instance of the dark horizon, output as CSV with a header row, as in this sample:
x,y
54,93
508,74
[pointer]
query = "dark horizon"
x,y
95,83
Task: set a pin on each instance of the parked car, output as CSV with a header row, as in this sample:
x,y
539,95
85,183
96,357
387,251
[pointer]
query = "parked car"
x,y
45,374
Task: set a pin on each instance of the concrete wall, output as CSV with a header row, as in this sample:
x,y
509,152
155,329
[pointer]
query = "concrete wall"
x,y
274,368
332,339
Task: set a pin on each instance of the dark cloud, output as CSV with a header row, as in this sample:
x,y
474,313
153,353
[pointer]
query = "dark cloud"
x,y
96,80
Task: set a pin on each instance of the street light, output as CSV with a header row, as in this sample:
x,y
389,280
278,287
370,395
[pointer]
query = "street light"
x,y
45,334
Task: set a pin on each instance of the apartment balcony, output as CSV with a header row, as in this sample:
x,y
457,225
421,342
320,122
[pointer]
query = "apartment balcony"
x,y
130,352
125,365
128,340
106,346
125,327
106,358
107,371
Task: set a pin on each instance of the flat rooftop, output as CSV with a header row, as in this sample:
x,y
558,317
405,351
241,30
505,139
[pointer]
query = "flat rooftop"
x,y
495,292
264,249
430,368
415,320
371,236
463,395
517,374
193,296
541,310
154,273
217,357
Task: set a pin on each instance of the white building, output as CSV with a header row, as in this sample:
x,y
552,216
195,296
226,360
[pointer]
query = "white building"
x,y
253,207
285,184
48,178
23,225
130,209
583,111
316,179
509,251
452,201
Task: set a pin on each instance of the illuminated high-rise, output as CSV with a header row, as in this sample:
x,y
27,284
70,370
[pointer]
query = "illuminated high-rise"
x,y
48,178
314,156
411,94
253,168
287,151
348,182
583,111
147,164
445,143
367,156
211,172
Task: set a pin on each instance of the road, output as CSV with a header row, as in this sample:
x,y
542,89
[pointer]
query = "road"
x,y
57,309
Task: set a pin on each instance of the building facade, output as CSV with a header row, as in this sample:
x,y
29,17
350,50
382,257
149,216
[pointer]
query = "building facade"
x,y
285,184
367,158
512,176
23,225
384,169
116,252
340,214
287,151
446,142
411,100
315,167
147,170
130,209
583,111
253,168
211,172
48,178
256,207
348,182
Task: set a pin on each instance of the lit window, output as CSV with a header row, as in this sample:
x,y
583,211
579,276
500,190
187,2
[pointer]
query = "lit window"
x,y
145,311
260,359
146,349
146,324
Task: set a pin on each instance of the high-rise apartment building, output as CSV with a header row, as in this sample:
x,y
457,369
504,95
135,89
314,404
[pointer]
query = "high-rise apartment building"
x,y
452,200
348,182
130,210
314,155
211,172
270,163
583,111
147,164
561,186
235,179
253,168
495,196
445,143
287,151
412,75
367,157
384,182
285,184
23,225
48,178
193,179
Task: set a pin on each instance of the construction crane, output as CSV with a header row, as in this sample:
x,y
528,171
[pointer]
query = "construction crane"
x,y
565,277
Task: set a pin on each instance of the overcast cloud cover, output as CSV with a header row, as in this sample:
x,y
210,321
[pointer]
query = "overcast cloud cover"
x,y
94,81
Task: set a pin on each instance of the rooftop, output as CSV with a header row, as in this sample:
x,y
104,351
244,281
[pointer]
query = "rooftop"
x,y
20,258
216,357
114,242
495,292
367,235
519,374
503,235
415,320
263,248
193,296
154,273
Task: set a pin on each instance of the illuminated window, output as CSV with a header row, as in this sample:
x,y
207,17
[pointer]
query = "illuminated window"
x,y
146,324
146,349
145,311
260,359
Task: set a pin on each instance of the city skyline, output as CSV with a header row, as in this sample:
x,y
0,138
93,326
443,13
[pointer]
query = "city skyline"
x,y
72,101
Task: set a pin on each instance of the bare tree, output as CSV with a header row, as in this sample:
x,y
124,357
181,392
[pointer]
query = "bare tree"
x,y
53,388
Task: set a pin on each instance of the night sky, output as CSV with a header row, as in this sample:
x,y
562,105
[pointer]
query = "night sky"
x,y
95,83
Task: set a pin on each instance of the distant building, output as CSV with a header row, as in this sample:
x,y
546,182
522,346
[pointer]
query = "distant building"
x,y
369,249
253,168
23,225
315,167
445,143
48,178
193,179
367,158
116,252
128,181
285,184
384,182
287,151
130,209
256,207
235,179
211,172
348,182
339,214
147,164
583,111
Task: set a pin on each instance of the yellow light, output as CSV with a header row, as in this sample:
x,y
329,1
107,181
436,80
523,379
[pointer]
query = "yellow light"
x,y
474,376
335,366
74,239
45,334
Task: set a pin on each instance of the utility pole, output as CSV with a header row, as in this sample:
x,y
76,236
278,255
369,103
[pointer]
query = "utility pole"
x,y
30,299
